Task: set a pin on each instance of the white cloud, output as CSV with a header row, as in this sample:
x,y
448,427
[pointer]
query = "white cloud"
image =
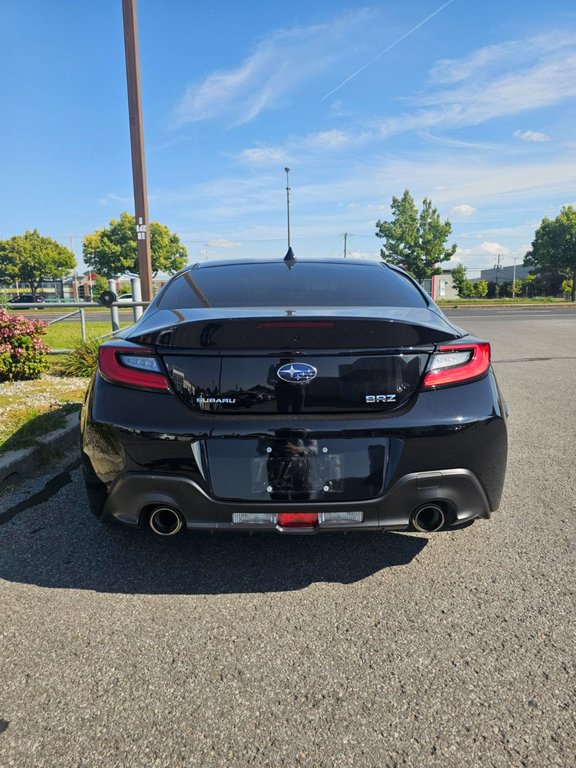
x,y
459,143
281,62
494,248
547,79
222,243
462,211
114,199
334,139
448,180
263,156
297,147
515,53
462,254
537,136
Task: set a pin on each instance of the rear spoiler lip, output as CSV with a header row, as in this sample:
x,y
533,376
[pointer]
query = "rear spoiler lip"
x,y
163,320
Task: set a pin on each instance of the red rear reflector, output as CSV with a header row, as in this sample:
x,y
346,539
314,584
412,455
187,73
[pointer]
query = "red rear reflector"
x,y
113,370
297,519
474,367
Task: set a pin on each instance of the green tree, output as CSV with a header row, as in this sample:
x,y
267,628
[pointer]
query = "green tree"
x,y
31,258
516,286
113,251
8,268
554,246
415,240
100,285
528,286
480,289
461,283
567,285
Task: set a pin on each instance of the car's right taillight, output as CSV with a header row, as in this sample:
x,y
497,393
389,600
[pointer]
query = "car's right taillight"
x,y
132,366
457,363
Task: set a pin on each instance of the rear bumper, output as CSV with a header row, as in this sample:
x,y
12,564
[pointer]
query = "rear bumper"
x,y
457,491
448,448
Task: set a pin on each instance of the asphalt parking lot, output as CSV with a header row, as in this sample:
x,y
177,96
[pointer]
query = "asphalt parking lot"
x,y
449,649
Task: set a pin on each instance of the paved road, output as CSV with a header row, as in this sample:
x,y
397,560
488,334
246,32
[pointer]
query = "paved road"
x,y
454,650
502,313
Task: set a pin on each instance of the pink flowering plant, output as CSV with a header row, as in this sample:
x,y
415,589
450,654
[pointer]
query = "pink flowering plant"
x,y
22,351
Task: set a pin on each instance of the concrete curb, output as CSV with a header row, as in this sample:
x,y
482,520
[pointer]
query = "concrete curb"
x,y
16,466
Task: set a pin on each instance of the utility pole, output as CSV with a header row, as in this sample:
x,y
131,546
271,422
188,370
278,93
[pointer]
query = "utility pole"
x,y
497,268
75,279
345,244
514,279
137,146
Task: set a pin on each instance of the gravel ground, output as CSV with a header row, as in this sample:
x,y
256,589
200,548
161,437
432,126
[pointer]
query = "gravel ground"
x,y
455,649
44,391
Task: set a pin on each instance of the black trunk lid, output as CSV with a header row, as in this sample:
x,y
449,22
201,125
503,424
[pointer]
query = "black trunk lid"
x,y
250,361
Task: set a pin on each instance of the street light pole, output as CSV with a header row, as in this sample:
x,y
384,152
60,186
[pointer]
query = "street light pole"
x,y
514,279
288,201
137,146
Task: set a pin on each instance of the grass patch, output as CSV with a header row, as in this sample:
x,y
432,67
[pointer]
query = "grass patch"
x,y
21,429
83,360
66,335
30,409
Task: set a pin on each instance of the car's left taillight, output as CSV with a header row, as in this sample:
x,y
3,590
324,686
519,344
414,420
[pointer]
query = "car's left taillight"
x,y
132,366
457,364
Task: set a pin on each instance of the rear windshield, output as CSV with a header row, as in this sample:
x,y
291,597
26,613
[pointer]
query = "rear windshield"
x,y
312,284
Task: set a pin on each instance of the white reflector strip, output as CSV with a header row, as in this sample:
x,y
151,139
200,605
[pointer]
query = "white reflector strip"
x,y
450,359
324,518
340,518
254,518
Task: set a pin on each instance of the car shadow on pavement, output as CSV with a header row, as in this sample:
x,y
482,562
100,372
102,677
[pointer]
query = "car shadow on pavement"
x,y
63,546
82,554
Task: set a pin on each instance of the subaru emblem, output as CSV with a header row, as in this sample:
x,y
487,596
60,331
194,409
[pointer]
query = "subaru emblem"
x,y
297,373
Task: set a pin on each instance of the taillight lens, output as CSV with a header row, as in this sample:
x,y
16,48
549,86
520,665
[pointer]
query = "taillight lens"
x,y
457,363
132,367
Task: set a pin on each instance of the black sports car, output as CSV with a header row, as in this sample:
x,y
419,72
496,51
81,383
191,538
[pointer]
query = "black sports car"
x,y
294,396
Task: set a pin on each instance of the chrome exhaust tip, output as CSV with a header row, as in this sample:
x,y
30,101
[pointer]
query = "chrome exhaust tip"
x,y
165,521
428,518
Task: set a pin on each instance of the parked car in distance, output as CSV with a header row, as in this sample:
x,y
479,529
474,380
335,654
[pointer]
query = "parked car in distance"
x,y
27,298
125,297
301,397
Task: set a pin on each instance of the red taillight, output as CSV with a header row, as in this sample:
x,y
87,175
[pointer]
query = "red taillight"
x,y
456,363
297,519
113,370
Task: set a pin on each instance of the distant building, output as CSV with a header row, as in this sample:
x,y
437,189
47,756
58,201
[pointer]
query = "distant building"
x,y
441,286
505,274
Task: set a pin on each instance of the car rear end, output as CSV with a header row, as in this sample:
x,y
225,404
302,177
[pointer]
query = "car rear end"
x,y
294,418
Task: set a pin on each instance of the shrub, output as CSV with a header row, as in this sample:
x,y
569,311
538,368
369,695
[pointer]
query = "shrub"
x,y
82,361
22,351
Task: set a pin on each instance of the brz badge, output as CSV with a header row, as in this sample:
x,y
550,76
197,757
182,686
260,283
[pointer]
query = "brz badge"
x,y
380,398
297,373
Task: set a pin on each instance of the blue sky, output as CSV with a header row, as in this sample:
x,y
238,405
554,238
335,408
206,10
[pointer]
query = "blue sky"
x,y
469,103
